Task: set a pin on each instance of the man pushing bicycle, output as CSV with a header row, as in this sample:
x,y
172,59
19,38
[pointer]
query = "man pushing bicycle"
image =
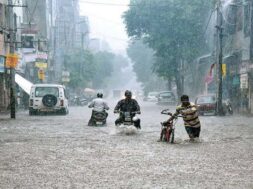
x,y
189,112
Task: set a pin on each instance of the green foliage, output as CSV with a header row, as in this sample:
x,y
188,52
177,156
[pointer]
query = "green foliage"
x,y
119,78
143,60
104,68
81,65
86,68
172,28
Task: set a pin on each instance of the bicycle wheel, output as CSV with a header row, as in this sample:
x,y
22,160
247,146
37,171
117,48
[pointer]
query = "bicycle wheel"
x,y
172,136
167,135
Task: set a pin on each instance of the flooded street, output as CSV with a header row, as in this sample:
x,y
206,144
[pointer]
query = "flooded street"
x,y
63,152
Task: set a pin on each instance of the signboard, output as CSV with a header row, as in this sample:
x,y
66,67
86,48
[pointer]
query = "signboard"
x,y
244,81
41,65
11,60
30,57
65,76
244,68
2,61
224,70
42,56
236,80
65,79
41,74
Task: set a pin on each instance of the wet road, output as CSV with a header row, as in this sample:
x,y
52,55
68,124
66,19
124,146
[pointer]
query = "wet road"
x,y
63,152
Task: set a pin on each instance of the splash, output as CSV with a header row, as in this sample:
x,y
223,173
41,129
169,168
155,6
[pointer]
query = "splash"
x,y
127,130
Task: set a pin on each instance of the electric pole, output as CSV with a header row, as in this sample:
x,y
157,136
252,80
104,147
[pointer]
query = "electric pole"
x,y
219,55
12,69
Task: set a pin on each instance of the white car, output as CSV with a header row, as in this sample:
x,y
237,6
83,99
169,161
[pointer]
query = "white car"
x,y
152,97
48,98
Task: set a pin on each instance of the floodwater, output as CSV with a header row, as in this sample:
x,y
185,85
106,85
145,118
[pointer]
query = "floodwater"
x,y
63,152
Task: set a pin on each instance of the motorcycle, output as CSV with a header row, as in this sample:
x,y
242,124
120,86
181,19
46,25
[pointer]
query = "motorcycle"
x,y
127,125
128,118
168,128
229,107
78,101
98,119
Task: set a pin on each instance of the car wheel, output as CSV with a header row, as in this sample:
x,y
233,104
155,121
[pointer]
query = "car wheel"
x,y
32,111
64,111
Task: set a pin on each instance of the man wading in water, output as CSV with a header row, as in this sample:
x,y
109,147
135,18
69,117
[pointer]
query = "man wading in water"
x,y
189,112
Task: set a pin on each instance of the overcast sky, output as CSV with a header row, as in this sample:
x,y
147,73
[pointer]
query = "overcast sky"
x,y
106,22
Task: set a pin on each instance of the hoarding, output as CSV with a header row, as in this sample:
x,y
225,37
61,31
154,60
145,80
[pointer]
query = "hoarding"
x,y
2,60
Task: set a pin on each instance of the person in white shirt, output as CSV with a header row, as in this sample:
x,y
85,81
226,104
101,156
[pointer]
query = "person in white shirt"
x,y
99,105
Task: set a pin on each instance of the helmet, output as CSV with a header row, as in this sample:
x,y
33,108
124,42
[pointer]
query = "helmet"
x,y
184,98
128,93
100,95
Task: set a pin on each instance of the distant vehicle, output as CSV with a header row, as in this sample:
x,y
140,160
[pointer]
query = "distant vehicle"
x,y
78,101
45,98
207,105
166,98
117,94
151,97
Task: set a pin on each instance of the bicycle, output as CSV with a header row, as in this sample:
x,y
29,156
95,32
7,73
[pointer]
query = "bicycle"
x,y
168,128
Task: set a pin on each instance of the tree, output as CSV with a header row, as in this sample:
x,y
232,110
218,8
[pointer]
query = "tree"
x,y
143,59
120,75
104,68
80,64
173,29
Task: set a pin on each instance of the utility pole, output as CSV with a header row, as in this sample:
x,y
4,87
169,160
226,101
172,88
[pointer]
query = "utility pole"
x,y
12,70
219,58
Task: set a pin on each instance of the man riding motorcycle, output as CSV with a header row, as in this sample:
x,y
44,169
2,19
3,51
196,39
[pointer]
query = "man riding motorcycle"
x,y
128,105
99,105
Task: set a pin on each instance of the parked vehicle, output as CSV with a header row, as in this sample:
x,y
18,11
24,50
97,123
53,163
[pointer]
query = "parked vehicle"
x,y
166,98
151,97
48,98
207,105
228,106
78,101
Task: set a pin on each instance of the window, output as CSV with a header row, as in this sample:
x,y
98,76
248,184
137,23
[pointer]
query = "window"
x,y
206,100
42,91
166,95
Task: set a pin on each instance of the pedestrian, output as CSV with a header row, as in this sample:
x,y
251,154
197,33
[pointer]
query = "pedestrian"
x,y
189,112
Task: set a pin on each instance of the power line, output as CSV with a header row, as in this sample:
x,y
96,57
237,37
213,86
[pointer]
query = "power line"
x,y
31,16
211,14
104,19
105,4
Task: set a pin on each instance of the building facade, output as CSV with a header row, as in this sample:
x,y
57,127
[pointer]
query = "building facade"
x,y
237,45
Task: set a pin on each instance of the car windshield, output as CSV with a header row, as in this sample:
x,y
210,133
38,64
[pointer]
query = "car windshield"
x,y
205,99
42,91
152,94
167,95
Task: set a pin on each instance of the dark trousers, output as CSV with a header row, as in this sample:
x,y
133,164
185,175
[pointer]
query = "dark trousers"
x,y
193,132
